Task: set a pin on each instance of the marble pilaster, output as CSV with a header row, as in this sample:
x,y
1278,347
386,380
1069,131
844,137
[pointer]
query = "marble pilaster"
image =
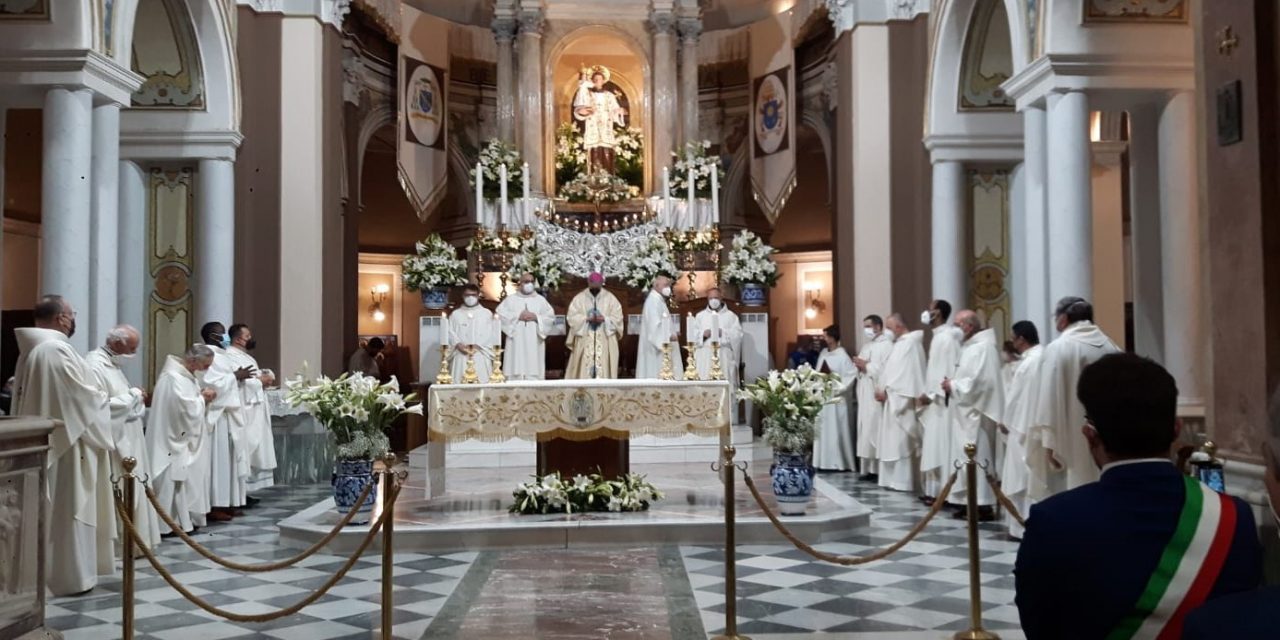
x,y
104,223
131,266
1070,221
530,98
1038,307
690,31
215,241
949,234
1144,226
662,25
66,192
504,34
1180,247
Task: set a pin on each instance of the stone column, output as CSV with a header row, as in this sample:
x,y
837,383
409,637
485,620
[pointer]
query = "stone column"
x,y
504,33
131,268
1016,283
215,242
950,274
1036,277
104,224
1107,186
531,147
1180,247
1070,218
1144,225
66,193
664,91
690,30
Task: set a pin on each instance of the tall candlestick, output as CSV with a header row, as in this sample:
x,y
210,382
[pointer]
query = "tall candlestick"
x,y
690,329
524,206
691,176
502,194
480,193
715,194
666,191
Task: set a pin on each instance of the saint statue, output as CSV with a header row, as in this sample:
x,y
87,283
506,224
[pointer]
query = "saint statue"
x,y
598,110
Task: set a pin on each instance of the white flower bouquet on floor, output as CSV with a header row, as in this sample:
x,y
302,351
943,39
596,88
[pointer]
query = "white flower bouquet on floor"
x,y
648,262
750,261
791,401
355,408
433,264
553,494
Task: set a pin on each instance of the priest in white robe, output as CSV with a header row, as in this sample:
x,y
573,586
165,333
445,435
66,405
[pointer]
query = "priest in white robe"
x,y
833,438
473,333
1019,412
527,319
656,330
1057,453
53,381
595,325
938,418
128,408
259,448
977,390
717,324
179,435
228,466
901,385
870,362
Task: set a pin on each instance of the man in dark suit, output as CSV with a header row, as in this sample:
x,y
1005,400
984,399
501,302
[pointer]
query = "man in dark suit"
x,y
1129,555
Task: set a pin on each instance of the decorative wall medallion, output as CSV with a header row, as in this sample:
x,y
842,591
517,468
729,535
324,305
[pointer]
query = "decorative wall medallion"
x,y
1137,10
170,209
770,113
989,248
24,10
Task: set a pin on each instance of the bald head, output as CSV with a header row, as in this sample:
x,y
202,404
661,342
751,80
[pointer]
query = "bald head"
x,y
54,312
122,340
968,323
895,324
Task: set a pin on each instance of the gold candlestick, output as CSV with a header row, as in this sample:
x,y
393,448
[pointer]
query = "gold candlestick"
x,y
497,377
444,377
469,376
691,366
716,372
666,372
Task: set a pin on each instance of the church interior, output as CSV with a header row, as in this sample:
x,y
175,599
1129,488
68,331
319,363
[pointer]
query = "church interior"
x,y
587,236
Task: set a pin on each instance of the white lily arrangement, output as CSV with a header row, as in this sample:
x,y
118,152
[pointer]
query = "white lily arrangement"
x,y
695,161
434,263
791,401
599,188
355,408
547,267
571,158
750,261
493,155
553,494
648,262
490,240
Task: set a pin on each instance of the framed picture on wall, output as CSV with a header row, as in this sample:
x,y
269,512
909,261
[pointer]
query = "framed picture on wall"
x,y
1230,128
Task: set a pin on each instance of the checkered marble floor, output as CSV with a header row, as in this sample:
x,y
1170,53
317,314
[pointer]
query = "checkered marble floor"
x,y
919,592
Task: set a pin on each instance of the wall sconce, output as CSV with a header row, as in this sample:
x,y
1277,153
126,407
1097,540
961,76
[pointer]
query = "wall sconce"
x,y
379,295
813,300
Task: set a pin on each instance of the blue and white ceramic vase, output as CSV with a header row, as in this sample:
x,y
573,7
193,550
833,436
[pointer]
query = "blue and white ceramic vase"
x,y
435,298
792,481
350,477
752,295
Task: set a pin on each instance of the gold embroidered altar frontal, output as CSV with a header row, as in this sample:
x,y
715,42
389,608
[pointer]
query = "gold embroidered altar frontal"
x,y
578,409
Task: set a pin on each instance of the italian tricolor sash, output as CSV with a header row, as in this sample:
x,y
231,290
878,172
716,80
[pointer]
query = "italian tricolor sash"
x,y
1188,568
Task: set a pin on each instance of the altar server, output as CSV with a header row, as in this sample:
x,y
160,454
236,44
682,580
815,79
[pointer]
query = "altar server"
x,y
870,363
259,446
1057,453
977,390
52,380
656,330
717,324
900,387
179,435
833,440
938,417
1020,404
225,457
595,324
128,406
527,319
473,333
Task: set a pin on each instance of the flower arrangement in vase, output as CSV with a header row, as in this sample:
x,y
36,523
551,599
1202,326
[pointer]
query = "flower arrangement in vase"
x,y
696,163
648,262
493,155
432,268
547,267
750,267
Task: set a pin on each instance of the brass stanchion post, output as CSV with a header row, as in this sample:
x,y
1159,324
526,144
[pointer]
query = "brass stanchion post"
x,y
730,550
388,524
126,593
975,632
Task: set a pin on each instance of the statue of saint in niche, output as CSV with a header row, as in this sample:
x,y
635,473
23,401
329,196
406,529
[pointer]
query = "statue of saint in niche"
x,y
597,107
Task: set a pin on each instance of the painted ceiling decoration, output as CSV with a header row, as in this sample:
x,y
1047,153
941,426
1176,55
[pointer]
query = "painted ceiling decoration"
x,y
166,54
988,59
1136,10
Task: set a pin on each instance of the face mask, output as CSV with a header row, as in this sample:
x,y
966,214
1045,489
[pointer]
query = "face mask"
x,y
666,292
714,303
121,357
869,332
527,288
72,330
226,341
470,301
926,317
251,344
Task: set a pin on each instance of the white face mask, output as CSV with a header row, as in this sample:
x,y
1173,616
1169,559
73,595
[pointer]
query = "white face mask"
x,y
925,317
869,333
527,288
714,303
470,301
666,292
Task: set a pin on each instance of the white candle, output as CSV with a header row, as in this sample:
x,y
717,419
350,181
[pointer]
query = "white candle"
x,y
666,191
524,206
690,177
444,328
690,329
715,326
715,195
502,194
479,193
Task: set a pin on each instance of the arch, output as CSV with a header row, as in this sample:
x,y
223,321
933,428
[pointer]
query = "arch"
x,y
379,116
166,54
817,121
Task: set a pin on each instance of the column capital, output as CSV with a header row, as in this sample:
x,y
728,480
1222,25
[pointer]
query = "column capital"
x,y
532,21
504,29
331,12
846,14
662,23
690,31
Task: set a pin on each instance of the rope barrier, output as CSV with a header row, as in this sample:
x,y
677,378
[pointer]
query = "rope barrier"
x,y
256,568
850,561
261,617
1004,500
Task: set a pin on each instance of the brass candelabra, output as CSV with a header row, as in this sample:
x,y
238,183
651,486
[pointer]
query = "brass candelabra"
x,y
666,373
716,372
691,366
444,376
497,377
470,376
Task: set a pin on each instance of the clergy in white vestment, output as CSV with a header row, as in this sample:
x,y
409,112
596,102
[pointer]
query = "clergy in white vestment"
x,y
1020,404
656,330
228,467
1057,453
977,390
938,418
178,436
128,408
717,324
594,324
527,319
473,333
53,381
259,447
870,362
833,439
901,385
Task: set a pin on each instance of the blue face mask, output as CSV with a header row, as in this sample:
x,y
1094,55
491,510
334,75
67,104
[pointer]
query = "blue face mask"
x,y
226,341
